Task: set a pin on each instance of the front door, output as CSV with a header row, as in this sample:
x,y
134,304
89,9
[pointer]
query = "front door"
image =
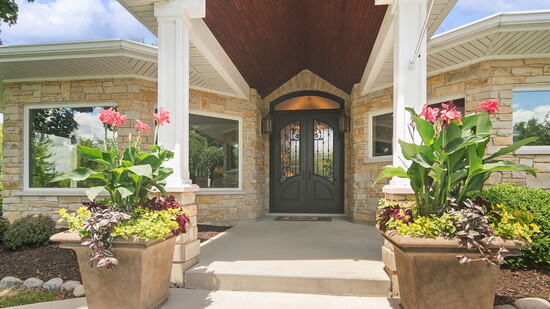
x,y
306,169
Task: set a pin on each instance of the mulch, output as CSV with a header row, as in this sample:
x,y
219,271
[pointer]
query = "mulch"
x,y
522,283
50,261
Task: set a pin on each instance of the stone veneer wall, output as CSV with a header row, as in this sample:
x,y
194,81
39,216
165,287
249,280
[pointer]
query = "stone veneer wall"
x,y
134,97
228,209
475,83
307,80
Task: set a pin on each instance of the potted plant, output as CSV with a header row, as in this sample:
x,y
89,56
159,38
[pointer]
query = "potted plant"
x,y
442,223
129,230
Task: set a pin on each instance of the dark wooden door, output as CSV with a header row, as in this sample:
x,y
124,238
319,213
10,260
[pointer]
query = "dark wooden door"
x,y
306,163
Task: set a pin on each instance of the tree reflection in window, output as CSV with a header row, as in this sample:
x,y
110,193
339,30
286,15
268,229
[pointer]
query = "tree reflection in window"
x,y
54,134
290,150
323,150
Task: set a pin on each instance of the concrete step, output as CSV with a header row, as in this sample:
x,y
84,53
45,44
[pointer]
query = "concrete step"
x,y
329,258
198,299
344,278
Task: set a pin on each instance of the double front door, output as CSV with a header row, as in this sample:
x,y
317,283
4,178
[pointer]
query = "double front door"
x,y
306,162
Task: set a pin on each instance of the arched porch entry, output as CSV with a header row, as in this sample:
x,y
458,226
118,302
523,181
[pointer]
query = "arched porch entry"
x,y
307,149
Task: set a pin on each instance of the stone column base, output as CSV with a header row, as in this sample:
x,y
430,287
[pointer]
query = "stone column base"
x,y
394,194
187,248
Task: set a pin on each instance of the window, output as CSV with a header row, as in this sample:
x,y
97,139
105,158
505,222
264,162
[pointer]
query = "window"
x,y
214,151
381,133
531,117
53,134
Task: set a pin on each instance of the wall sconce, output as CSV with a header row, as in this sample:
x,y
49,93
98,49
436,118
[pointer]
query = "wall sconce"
x,y
267,124
343,122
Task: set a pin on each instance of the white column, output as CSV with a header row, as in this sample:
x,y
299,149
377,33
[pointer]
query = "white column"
x,y
173,82
409,86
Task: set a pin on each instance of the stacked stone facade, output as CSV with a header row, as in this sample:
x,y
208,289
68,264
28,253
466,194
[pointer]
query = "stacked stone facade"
x,y
133,97
247,204
475,83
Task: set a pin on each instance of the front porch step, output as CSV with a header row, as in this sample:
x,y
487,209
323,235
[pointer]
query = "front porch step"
x,y
343,278
329,258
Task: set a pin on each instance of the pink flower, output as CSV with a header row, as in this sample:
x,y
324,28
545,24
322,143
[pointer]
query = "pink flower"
x,y
449,113
111,117
162,116
140,126
491,106
429,113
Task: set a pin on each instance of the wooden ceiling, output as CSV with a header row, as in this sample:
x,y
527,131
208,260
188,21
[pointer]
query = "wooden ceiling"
x,y
270,41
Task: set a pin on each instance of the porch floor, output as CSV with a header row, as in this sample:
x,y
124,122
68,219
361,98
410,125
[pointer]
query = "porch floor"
x,y
330,258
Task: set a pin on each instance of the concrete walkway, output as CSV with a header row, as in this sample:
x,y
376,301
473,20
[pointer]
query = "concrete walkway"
x,y
273,264
330,258
198,299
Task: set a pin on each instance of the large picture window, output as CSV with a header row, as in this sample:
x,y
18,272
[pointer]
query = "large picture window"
x,y
214,151
531,116
53,136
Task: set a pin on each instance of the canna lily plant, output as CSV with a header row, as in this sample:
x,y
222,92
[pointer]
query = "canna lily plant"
x,y
129,176
448,165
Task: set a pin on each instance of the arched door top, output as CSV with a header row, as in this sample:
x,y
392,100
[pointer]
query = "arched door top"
x,y
307,100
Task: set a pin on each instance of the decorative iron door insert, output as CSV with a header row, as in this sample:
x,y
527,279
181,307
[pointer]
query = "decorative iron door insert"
x,y
306,163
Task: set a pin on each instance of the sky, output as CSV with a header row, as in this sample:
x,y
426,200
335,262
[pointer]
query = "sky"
x,y
70,20
531,104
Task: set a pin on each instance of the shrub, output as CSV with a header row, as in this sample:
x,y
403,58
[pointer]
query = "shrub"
x,y
29,231
537,201
4,225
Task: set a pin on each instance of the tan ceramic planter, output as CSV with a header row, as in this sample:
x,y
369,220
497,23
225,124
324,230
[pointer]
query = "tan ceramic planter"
x,y
141,280
430,275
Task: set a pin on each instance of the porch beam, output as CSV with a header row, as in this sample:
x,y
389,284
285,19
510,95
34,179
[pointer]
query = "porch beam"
x,y
381,49
174,22
410,72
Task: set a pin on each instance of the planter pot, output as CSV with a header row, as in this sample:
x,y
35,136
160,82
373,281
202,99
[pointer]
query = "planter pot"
x,y
430,275
141,280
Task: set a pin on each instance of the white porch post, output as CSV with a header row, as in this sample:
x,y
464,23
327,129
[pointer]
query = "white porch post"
x,y
174,25
409,86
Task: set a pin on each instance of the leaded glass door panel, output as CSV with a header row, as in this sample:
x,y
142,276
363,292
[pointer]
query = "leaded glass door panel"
x,y
306,163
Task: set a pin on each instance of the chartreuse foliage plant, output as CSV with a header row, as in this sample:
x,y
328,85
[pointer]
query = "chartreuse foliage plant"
x,y
445,168
524,211
129,176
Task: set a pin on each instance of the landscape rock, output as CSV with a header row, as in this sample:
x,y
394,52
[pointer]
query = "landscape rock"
x,y
79,291
504,307
531,303
33,283
69,286
7,282
53,284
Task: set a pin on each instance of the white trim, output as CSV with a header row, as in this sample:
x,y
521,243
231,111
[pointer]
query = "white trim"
x,y
530,150
26,142
215,191
76,78
533,150
370,138
239,120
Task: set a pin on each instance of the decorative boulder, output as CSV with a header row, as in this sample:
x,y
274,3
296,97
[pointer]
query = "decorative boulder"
x,y
33,283
79,291
532,303
53,284
69,286
7,282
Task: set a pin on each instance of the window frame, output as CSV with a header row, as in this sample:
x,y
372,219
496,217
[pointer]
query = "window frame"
x,y
239,119
27,190
529,150
371,115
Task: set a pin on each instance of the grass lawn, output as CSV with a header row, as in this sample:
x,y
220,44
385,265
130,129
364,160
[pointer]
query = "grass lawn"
x,y
19,295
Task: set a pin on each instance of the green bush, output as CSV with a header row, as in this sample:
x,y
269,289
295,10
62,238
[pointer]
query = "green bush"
x,y
538,202
29,231
4,225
